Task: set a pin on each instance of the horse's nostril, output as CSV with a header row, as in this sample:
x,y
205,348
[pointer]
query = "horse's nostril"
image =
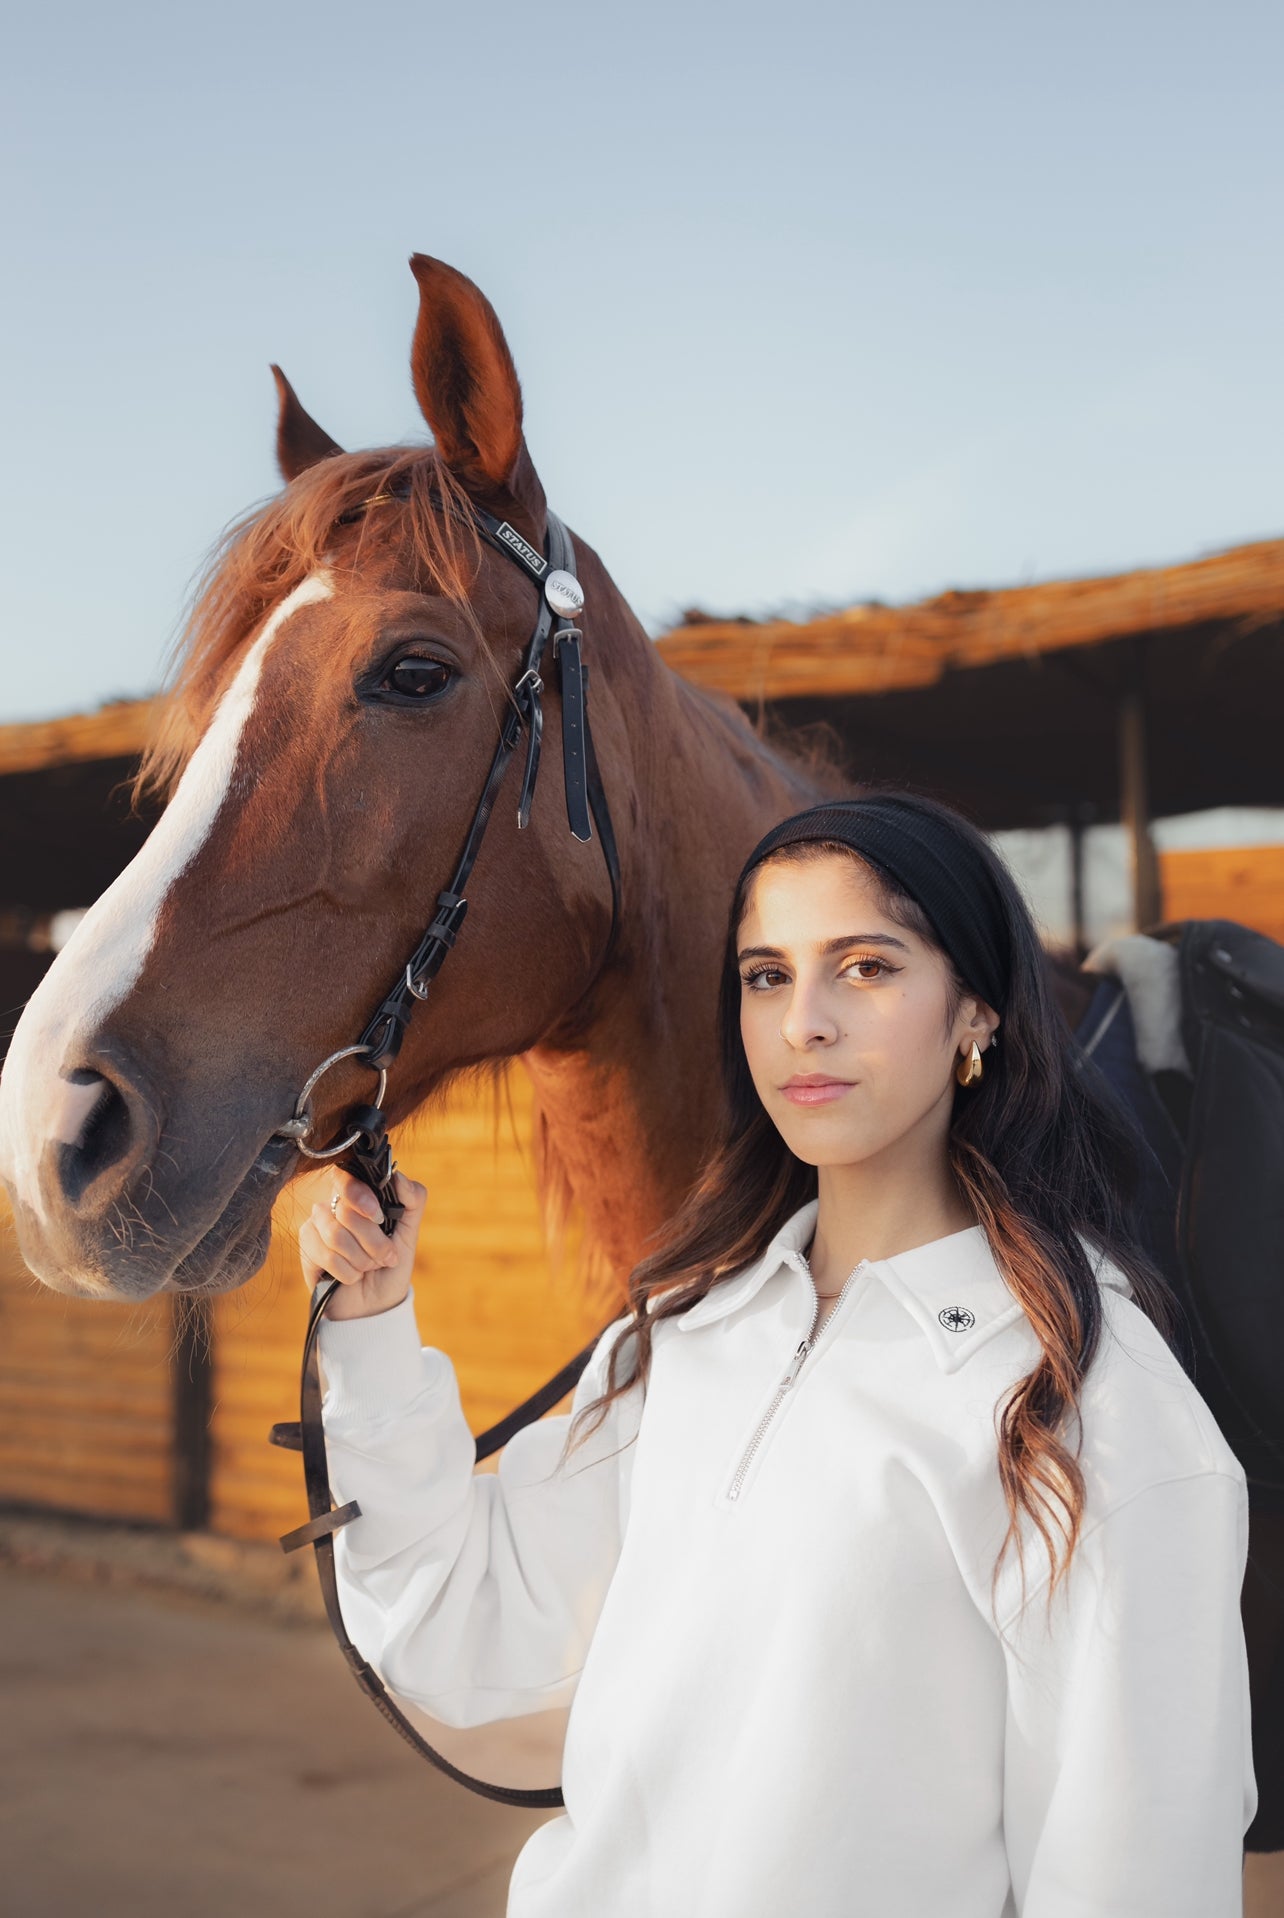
x,y
95,1131
74,1100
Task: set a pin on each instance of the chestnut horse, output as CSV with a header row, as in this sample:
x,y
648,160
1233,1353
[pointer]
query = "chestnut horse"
x,y
337,701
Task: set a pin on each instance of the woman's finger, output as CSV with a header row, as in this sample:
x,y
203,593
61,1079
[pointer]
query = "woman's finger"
x,y
413,1197
354,1205
356,1238
319,1261
359,1215
317,1256
356,1249
362,1245
409,1191
336,1250
309,1254
351,1194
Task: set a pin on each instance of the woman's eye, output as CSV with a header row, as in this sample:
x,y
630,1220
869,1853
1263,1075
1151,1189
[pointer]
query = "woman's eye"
x,y
415,677
758,972
880,966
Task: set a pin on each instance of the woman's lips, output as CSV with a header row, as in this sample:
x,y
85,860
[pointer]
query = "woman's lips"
x,y
816,1095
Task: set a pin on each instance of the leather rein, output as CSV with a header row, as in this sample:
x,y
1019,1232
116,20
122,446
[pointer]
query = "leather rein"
x,y
365,1148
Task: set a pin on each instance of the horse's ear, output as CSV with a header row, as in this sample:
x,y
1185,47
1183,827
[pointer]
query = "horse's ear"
x,y
300,442
468,391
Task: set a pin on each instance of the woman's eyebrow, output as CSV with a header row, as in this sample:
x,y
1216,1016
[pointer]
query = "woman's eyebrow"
x,y
828,945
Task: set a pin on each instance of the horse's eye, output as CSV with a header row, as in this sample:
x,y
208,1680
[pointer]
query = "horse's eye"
x,y
416,677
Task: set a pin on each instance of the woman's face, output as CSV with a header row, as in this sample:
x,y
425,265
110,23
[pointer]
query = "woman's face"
x,y
831,987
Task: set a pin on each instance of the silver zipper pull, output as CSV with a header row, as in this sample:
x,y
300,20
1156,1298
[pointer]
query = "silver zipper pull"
x,y
795,1367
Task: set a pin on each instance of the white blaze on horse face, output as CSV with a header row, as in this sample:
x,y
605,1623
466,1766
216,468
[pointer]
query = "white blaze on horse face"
x,y
105,955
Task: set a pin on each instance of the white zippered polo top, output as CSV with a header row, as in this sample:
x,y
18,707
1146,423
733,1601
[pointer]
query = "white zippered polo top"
x,y
778,1677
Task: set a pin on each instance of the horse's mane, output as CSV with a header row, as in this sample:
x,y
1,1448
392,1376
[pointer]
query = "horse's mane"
x,y
263,556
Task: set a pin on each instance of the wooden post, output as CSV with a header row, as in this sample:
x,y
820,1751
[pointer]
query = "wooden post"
x,y
193,1381
1077,822
1134,796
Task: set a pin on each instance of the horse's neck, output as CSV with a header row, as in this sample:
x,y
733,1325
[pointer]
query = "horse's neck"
x,y
631,1097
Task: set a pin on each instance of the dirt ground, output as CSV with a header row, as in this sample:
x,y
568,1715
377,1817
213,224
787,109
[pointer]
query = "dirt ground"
x,y
166,1754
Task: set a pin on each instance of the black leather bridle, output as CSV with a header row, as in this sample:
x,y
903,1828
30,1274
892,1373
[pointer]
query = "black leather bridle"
x,y
365,1149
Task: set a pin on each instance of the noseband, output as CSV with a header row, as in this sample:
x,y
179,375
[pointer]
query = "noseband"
x,y
364,1136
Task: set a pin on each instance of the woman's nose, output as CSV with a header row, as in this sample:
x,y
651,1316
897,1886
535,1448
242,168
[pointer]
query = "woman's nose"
x,y
807,1019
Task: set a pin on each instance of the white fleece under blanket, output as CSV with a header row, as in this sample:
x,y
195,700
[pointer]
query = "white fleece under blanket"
x,y
1150,972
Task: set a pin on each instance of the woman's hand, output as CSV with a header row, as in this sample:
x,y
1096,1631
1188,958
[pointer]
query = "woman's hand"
x,y
343,1237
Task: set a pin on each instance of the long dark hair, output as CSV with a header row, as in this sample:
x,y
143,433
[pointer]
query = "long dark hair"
x,y
1041,1152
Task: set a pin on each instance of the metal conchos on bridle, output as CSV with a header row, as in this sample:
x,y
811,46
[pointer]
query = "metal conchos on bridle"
x,y
564,594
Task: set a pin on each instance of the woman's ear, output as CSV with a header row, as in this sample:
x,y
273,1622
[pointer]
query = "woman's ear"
x,y
977,1021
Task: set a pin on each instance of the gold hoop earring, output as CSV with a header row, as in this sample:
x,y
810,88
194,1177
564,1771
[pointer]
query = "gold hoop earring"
x,y
968,1071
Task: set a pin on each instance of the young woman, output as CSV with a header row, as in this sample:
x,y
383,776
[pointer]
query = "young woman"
x,y
890,1559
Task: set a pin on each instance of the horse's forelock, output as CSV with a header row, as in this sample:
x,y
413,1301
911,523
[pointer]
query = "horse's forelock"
x,y
262,557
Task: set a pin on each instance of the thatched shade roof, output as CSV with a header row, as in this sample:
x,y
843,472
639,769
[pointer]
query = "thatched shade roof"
x,y
116,731
1009,703
879,649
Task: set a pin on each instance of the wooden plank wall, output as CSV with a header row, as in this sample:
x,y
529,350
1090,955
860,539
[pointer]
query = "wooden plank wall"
x,y
1244,883
86,1399
484,1293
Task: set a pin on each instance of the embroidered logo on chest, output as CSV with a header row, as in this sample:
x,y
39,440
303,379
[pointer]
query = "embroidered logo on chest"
x,y
956,1318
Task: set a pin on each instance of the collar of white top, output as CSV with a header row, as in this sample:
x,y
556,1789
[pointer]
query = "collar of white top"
x,y
951,1287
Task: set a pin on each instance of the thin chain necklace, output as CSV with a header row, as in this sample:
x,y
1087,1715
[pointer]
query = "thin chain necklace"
x,y
826,1297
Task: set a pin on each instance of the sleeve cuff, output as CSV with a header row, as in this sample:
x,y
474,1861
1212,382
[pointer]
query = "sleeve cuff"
x,y
374,1367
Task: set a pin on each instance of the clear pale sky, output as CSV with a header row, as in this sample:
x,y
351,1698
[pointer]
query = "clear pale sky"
x,y
811,303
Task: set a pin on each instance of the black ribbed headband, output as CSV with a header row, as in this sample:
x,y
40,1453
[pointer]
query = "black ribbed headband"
x,y
937,867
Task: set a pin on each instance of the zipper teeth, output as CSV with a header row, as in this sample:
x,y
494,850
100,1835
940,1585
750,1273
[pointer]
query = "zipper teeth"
x,y
804,1351
733,1490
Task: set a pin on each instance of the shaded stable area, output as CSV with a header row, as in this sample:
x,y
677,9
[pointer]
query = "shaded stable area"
x,y
1036,740
69,829
1077,703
